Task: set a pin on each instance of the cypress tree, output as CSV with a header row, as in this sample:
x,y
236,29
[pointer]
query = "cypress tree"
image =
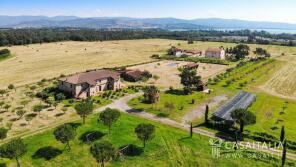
x,y
207,114
282,138
191,130
284,156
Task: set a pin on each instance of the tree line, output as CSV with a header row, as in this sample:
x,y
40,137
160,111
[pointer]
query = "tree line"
x,y
31,36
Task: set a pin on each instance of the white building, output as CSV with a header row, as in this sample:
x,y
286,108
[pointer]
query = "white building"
x,y
216,53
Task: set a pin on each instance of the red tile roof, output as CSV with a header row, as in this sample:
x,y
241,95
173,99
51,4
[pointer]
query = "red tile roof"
x,y
191,65
213,50
194,51
91,77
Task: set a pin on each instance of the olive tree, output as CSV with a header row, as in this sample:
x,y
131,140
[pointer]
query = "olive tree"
x,y
102,151
189,80
145,132
84,109
3,133
243,117
13,150
108,117
65,133
151,94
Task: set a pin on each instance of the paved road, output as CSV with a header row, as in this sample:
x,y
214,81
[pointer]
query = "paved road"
x,y
121,105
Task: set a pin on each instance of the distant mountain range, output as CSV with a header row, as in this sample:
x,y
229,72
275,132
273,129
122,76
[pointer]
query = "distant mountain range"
x,y
136,23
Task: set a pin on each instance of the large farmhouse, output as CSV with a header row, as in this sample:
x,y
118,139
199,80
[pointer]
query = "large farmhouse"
x,y
90,83
217,53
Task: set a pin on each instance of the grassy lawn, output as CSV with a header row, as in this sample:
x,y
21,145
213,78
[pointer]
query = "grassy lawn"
x,y
181,104
270,118
170,147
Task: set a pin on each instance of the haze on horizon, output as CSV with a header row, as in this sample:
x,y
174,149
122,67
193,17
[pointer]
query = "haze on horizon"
x,y
254,10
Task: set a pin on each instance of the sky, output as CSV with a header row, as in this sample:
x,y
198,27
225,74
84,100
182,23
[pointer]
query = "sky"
x,y
256,10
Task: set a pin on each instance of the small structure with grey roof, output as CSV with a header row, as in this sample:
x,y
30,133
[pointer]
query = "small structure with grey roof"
x,y
90,83
241,101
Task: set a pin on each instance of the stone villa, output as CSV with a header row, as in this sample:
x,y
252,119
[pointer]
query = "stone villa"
x,y
216,53
90,83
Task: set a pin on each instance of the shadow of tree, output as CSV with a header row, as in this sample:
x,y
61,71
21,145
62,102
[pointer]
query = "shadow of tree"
x,y
74,125
3,165
131,150
91,136
47,153
175,92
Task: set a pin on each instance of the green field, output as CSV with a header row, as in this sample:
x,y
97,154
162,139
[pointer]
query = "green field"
x,y
267,108
181,104
170,147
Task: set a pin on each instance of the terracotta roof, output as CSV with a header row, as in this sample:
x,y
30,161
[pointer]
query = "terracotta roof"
x,y
91,77
191,65
134,73
194,51
213,50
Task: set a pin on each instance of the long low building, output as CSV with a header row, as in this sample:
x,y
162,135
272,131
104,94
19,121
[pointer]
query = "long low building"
x,y
241,101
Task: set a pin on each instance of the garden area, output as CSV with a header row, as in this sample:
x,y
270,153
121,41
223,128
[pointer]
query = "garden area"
x,y
41,105
173,103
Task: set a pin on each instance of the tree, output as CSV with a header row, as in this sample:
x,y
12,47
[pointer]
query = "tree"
x,y
55,104
11,86
109,116
25,102
151,94
2,92
20,113
172,50
243,117
189,80
84,109
282,138
3,133
6,107
240,51
13,150
284,154
1,104
50,100
65,133
191,130
207,114
261,52
102,151
60,97
38,108
145,132
29,117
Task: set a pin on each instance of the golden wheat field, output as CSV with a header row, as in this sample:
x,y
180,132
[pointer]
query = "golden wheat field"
x,y
34,62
